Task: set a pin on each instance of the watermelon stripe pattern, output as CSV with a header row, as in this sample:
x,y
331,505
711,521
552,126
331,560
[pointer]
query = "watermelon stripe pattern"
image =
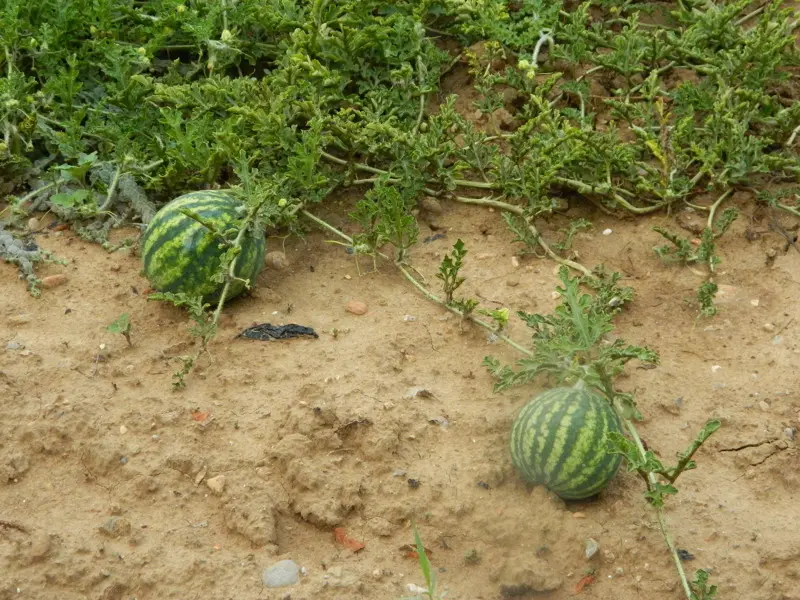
x,y
182,255
559,440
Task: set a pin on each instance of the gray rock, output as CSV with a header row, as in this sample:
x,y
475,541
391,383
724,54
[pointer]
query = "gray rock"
x,y
282,573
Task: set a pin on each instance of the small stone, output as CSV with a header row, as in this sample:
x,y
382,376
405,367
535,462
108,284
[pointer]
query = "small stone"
x,y
515,262
17,320
123,430
768,327
282,573
754,302
591,548
607,231
12,345
52,281
409,318
277,260
356,307
763,405
789,432
33,224
578,515
715,368
512,283
432,205
116,527
216,484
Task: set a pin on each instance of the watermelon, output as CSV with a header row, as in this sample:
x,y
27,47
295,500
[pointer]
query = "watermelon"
x,y
182,255
559,440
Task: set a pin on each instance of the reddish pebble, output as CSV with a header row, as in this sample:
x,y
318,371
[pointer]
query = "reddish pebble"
x,y
52,281
356,307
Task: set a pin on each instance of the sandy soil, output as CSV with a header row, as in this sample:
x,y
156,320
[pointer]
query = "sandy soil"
x,y
114,486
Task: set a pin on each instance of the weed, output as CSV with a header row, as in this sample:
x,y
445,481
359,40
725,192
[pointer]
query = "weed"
x,y
122,325
431,592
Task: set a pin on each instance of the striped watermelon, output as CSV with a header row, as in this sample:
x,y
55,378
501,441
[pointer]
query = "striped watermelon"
x,y
182,255
559,440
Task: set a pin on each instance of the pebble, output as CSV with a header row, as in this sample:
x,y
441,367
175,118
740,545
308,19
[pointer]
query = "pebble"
x,y
515,262
216,484
754,302
33,224
281,574
715,368
591,548
769,327
606,232
277,260
123,430
789,432
116,527
52,281
14,346
356,307
763,405
432,205
409,318
512,283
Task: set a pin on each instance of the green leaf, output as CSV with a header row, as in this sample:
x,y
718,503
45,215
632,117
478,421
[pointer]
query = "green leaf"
x,y
121,324
71,199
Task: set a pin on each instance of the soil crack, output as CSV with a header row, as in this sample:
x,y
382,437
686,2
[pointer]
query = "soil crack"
x,y
745,446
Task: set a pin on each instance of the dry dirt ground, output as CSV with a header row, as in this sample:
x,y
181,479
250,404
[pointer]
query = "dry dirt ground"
x,y
106,473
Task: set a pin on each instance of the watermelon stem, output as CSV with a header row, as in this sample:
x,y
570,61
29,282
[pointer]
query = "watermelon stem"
x,y
662,518
425,292
230,276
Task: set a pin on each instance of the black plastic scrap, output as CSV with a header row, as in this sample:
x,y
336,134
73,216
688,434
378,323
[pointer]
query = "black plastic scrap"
x,y
267,332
